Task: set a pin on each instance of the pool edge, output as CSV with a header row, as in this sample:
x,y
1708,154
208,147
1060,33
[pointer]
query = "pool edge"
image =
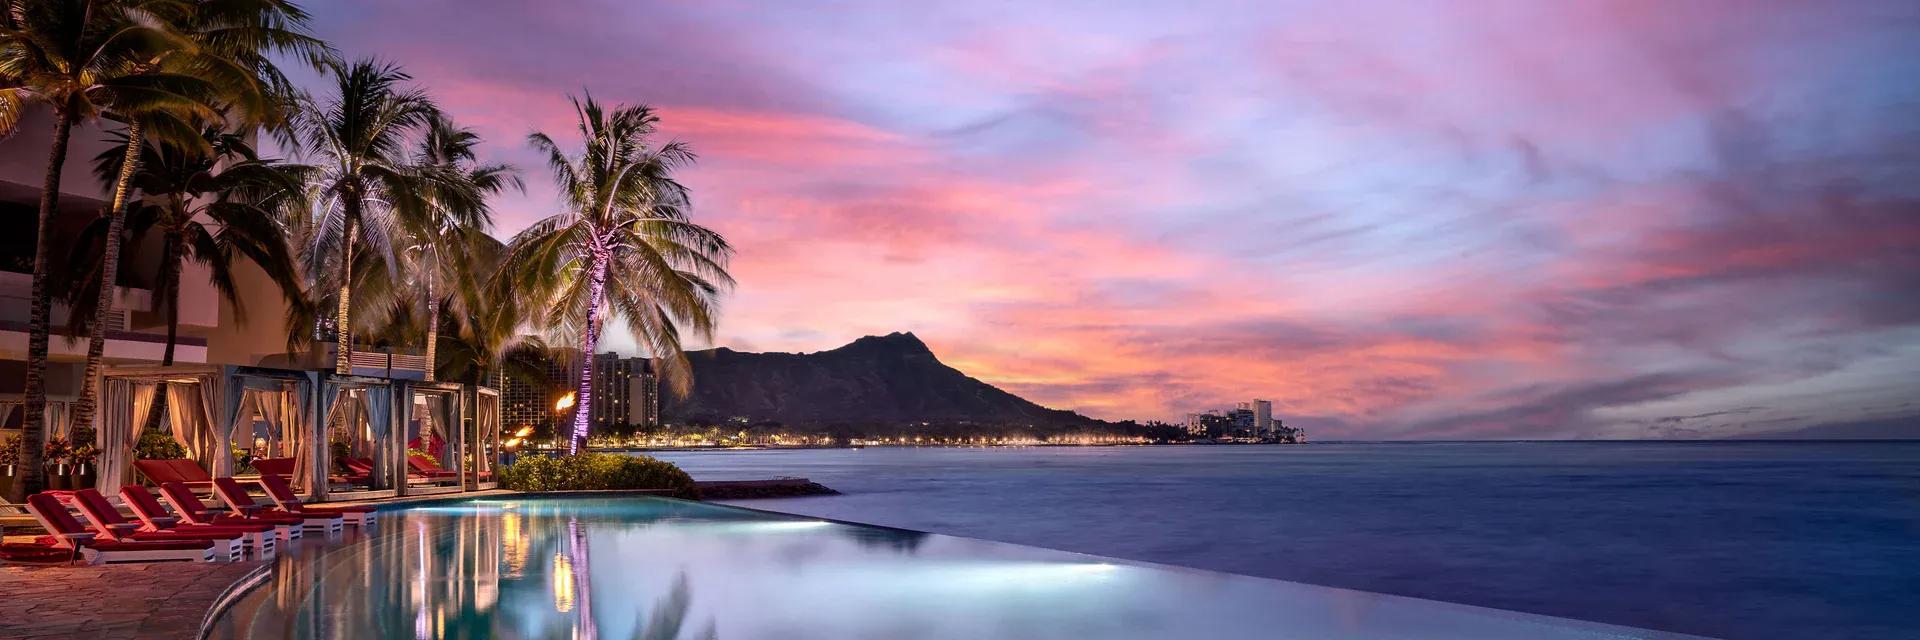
x,y
232,594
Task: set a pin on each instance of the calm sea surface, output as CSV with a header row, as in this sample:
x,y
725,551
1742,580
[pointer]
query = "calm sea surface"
x,y
1729,539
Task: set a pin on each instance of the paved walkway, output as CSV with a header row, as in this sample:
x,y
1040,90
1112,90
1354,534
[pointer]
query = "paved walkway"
x,y
140,600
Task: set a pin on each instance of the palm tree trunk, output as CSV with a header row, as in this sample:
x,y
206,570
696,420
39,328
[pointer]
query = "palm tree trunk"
x,y
170,289
343,332
433,326
40,325
596,294
109,274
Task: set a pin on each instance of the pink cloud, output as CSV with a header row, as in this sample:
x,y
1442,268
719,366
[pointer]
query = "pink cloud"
x,y
1448,220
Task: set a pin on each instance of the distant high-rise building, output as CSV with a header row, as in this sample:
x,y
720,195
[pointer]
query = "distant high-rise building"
x,y
1241,420
625,392
643,388
527,400
1263,416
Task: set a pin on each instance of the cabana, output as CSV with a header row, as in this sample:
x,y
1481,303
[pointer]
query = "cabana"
x,y
224,417
330,436
13,414
483,454
268,417
435,437
362,458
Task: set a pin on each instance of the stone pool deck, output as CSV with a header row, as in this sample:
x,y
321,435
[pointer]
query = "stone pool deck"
x,y
151,600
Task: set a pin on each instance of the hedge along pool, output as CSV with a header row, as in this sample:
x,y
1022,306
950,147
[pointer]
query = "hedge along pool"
x,y
645,567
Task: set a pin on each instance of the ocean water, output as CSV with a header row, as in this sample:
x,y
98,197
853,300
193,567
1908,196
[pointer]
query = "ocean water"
x,y
1725,539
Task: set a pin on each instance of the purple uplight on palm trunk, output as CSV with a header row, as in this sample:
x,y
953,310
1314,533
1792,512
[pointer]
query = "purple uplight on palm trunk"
x,y
596,292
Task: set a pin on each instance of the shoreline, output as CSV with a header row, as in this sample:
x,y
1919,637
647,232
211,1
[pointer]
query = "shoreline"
x,y
803,447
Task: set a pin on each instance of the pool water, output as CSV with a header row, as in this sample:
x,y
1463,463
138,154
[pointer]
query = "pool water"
x,y
661,569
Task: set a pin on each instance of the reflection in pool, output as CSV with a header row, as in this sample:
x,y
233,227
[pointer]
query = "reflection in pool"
x,y
660,569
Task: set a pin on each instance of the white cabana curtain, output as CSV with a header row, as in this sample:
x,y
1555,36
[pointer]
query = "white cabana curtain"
x,y
270,405
377,403
379,412
244,412
58,422
289,421
187,416
220,459
487,433
339,420
126,405
438,417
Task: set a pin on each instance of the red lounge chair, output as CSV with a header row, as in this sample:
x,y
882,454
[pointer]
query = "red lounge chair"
x,y
237,499
27,552
359,471
190,507
182,471
420,467
69,534
154,517
282,467
108,522
283,495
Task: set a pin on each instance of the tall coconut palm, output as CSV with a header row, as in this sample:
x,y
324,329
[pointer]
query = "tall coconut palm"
x,y
436,240
362,185
484,334
624,241
231,46
83,58
211,204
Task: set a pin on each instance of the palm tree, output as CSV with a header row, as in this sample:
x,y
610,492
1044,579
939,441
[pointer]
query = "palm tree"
x,y
486,337
625,240
362,186
83,58
230,42
452,217
209,203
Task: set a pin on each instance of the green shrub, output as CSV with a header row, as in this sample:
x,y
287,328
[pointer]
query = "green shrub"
x,y
158,445
431,458
596,472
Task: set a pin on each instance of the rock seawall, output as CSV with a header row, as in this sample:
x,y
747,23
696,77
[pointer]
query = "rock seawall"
x,y
775,488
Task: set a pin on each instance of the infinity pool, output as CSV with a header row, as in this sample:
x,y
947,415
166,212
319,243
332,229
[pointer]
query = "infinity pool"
x,y
661,569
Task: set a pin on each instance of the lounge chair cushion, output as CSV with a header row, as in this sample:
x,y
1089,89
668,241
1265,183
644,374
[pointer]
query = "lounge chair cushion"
x,y
282,467
152,545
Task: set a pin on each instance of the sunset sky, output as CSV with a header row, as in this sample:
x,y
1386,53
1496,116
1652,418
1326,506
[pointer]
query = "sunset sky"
x,y
1395,220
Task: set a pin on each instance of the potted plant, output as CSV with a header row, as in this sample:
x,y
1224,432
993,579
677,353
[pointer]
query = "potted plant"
x,y
9,457
83,469
82,457
56,453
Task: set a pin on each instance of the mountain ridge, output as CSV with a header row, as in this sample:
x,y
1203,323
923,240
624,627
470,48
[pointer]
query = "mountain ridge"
x,y
873,380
